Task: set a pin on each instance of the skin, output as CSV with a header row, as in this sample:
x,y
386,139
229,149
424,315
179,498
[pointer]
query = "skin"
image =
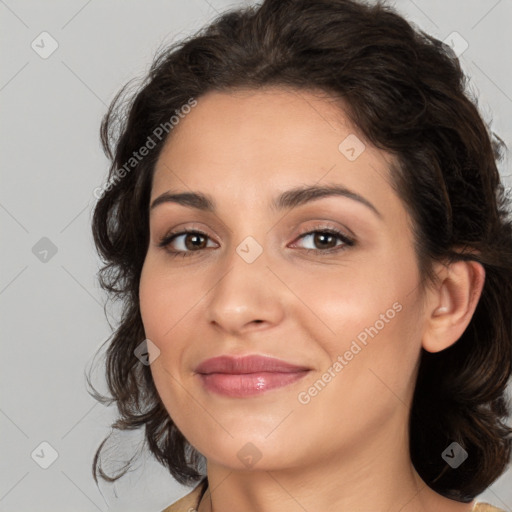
x,y
347,448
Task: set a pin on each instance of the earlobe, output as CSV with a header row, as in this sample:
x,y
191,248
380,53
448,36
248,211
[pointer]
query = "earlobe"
x,y
452,304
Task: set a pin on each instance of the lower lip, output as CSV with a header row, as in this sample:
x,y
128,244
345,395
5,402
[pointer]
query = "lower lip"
x,y
248,384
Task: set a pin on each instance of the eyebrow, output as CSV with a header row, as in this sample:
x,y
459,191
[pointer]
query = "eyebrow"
x,y
289,199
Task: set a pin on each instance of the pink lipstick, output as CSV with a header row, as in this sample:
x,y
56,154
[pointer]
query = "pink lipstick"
x,y
247,375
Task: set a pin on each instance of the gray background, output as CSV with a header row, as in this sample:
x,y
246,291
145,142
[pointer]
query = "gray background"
x,y
52,314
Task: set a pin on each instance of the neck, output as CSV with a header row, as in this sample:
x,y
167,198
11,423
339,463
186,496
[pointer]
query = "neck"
x,y
380,478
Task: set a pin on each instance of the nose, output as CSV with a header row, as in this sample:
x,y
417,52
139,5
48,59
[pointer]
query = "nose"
x,y
247,296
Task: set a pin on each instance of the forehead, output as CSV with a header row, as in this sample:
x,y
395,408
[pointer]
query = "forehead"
x,y
247,143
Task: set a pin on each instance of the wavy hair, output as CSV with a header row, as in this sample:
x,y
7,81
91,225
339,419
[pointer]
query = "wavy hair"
x,y
407,94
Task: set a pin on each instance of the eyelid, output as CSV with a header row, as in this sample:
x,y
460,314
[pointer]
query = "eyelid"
x,y
327,227
185,227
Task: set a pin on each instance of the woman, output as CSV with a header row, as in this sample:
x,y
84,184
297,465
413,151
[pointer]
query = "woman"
x,y
306,225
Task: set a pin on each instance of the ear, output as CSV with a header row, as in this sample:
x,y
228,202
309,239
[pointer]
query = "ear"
x,y
451,304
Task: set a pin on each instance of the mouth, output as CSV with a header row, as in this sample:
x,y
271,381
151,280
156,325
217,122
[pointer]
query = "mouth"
x,y
247,376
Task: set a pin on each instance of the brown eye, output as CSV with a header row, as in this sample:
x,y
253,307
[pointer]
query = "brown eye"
x,y
185,242
326,240
194,241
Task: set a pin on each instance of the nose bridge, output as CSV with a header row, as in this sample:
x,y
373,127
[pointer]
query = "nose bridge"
x,y
246,292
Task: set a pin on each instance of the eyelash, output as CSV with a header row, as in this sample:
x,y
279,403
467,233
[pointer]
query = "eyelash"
x,y
347,242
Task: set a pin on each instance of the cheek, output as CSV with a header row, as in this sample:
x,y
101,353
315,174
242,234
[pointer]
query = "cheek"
x,y
351,299
369,314
150,300
164,299
382,349
162,305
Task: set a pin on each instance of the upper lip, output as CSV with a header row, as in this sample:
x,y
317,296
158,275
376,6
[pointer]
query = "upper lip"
x,y
247,364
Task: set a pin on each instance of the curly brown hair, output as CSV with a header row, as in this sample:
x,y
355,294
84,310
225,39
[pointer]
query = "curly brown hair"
x,y
407,94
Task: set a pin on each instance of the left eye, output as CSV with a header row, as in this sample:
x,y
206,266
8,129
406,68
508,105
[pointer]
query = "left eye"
x,y
324,239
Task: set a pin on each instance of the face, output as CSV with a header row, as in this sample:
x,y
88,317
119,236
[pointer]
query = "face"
x,y
327,282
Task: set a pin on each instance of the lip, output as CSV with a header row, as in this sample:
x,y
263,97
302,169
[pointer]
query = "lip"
x,y
247,364
248,375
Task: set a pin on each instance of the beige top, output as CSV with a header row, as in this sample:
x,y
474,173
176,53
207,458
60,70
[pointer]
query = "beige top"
x,y
190,503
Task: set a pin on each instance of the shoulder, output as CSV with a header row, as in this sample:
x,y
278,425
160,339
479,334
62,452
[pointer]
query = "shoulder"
x,y
189,502
485,507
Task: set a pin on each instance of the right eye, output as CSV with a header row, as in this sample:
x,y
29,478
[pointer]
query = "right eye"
x,y
186,242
